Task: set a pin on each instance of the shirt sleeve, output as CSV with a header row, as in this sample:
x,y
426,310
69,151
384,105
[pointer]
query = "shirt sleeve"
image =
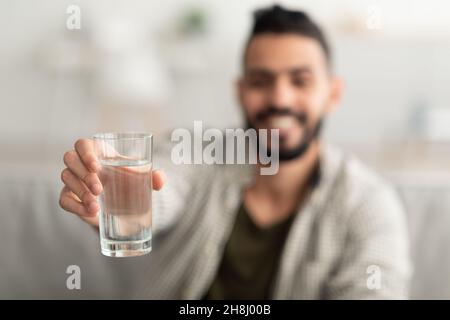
x,y
375,263
168,204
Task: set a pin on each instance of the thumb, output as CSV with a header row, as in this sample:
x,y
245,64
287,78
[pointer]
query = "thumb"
x,y
158,179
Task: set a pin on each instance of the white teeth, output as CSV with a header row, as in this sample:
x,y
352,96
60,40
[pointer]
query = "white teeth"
x,y
282,123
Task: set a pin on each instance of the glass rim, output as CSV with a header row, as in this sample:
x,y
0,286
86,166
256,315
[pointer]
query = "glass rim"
x,y
125,135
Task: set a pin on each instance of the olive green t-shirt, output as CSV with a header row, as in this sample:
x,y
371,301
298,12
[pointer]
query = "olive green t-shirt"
x,y
250,259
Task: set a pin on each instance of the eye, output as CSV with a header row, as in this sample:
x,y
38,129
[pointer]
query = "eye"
x,y
299,82
258,82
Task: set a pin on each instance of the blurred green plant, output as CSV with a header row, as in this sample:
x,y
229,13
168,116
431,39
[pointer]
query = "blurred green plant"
x,y
194,21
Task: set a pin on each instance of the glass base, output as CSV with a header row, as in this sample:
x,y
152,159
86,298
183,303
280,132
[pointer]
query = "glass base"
x,y
126,248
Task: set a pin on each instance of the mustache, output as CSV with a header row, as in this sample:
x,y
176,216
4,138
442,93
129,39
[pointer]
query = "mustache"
x,y
301,117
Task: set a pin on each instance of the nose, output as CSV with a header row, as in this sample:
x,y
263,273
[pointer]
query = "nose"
x,y
281,96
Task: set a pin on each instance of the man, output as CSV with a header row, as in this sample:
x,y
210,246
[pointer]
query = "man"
x,y
323,227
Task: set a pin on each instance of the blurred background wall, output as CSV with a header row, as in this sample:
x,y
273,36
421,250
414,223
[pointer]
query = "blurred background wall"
x,y
156,65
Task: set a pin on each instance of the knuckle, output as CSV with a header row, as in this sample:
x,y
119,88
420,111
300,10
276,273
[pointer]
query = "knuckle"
x,y
84,196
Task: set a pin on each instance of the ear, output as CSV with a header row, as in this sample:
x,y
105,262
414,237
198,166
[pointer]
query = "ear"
x,y
336,90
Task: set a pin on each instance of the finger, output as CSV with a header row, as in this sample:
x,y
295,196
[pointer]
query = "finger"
x,y
85,149
78,187
73,162
69,202
93,221
158,179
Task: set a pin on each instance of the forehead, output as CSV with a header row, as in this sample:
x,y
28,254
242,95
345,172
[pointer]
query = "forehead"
x,y
277,52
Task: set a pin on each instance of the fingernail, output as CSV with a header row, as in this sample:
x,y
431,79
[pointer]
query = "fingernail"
x,y
97,188
95,166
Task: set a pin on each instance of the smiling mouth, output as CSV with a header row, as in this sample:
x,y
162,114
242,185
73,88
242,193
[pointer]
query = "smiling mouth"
x,y
280,122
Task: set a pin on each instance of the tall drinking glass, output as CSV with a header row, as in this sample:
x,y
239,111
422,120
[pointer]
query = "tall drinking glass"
x,y
126,200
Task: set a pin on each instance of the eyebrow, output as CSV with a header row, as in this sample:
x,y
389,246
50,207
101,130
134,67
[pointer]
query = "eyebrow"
x,y
266,72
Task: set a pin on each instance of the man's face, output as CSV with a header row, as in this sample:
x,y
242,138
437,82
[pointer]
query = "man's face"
x,y
287,86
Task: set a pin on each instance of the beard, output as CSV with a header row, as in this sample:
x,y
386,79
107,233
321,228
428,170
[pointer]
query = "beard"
x,y
311,134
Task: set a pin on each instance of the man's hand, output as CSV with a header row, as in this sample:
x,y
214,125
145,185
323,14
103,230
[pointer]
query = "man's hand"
x,y
82,183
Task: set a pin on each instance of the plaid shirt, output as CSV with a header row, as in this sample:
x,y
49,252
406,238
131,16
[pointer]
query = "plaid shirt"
x,y
348,240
